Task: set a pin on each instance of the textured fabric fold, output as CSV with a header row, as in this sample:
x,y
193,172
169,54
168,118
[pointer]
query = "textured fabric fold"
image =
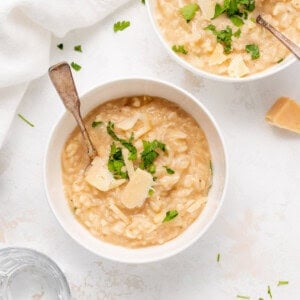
x,y
26,27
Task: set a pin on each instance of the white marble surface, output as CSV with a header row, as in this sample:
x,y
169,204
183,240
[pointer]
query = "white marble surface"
x,y
258,229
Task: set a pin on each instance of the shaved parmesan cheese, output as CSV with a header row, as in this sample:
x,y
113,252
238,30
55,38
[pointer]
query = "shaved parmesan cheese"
x,y
146,127
128,163
237,67
136,191
128,123
196,204
99,176
208,8
218,56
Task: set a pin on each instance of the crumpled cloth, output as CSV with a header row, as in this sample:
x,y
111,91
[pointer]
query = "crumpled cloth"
x,y
26,27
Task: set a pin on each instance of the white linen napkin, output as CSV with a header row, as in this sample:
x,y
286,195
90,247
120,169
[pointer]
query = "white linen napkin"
x,y
26,27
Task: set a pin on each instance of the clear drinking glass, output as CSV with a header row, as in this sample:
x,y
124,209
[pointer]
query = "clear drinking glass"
x,y
27,274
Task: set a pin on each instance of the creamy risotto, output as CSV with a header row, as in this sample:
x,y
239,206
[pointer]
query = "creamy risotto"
x,y
151,177
221,37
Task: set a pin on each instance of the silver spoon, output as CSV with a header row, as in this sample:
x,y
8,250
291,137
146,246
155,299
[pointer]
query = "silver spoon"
x,y
281,37
62,79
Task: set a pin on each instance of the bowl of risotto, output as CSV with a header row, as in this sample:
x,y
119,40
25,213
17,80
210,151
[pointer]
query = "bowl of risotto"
x,y
159,177
221,40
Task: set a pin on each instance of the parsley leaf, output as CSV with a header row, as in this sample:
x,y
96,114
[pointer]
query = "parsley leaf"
x,y
237,34
75,66
243,297
224,37
218,257
25,120
143,1
149,154
169,170
179,49
116,162
121,25
218,10
280,60
60,46
282,283
127,144
151,192
235,9
189,11
96,123
269,292
237,21
253,50
170,215
78,48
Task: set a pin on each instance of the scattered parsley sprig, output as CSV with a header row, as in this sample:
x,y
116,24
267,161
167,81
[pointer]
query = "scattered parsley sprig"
x,y
253,50
179,49
170,215
121,25
127,144
189,11
149,154
25,120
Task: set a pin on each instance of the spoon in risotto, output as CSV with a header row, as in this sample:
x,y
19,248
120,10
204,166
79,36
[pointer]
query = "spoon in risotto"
x,y
62,79
281,37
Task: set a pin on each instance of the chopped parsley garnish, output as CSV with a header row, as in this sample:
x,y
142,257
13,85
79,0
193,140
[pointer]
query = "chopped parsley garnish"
x,y
75,66
253,50
25,120
143,1
224,37
78,48
151,192
189,11
238,8
270,292
121,25
60,46
218,10
170,215
169,170
237,21
281,282
280,60
242,297
116,162
127,144
237,34
260,298
96,123
149,154
218,257
179,49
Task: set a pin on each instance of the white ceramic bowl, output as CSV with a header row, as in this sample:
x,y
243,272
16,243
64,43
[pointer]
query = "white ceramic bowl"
x,y
53,174
270,71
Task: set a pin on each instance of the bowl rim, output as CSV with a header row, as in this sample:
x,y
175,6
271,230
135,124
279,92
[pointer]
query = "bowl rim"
x,y
289,60
180,248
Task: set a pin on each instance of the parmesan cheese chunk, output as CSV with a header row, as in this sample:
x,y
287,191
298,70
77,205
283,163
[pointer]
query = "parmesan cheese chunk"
x,y
218,56
128,123
237,67
99,176
146,127
208,8
128,163
136,191
285,113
